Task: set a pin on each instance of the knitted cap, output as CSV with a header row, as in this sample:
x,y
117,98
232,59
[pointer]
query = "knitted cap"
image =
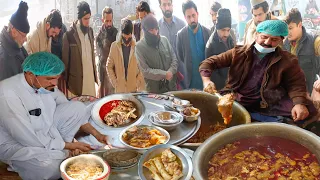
x,y
256,2
149,22
83,9
223,19
19,18
273,28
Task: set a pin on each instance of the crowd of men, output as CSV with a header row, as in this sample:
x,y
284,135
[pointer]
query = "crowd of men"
x,y
272,75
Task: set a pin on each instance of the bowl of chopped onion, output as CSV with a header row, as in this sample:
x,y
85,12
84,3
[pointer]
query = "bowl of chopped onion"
x,y
85,166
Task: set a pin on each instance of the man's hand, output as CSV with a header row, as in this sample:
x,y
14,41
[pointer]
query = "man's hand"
x,y
104,139
209,87
169,75
299,112
316,85
78,145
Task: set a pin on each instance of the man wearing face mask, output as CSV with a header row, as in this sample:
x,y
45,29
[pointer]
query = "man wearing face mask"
x,y
105,38
40,38
38,123
12,37
169,25
156,58
266,80
122,65
191,43
219,42
78,55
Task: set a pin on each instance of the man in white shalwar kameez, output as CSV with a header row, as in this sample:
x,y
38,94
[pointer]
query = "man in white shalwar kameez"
x,y
37,122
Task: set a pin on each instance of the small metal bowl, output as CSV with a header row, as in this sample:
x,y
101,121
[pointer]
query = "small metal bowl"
x,y
191,118
169,127
182,104
187,167
163,131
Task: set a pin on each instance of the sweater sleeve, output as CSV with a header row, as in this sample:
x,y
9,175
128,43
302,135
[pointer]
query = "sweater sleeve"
x,y
148,73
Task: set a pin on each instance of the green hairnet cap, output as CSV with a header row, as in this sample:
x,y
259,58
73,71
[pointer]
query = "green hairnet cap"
x,y
273,28
43,64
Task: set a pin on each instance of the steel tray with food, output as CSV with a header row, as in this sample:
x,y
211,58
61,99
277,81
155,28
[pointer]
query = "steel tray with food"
x,y
143,137
118,111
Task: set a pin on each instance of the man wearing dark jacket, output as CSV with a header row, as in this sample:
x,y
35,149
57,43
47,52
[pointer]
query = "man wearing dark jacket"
x,y
219,42
191,43
266,80
12,37
304,45
143,9
107,35
78,55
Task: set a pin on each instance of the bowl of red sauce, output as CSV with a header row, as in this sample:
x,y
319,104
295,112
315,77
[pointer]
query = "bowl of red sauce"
x,y
259,151
118,111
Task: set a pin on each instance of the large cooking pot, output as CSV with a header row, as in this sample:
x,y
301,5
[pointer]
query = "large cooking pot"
x,y
207,103
205,152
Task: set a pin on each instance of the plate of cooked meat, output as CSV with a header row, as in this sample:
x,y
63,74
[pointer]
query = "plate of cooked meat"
x,y
142,137
118,111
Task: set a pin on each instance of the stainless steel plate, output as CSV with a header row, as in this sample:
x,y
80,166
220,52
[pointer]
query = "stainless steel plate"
x,y
163,131
187,167
182,133
97,106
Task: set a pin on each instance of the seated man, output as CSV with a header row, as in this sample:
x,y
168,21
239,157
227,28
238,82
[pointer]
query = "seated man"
x,y
267,80
37,122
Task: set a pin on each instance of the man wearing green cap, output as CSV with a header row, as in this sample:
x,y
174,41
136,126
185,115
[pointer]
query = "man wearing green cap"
x,y
37,122
266,80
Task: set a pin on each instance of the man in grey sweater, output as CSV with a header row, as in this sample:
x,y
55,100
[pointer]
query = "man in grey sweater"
x,y
156,58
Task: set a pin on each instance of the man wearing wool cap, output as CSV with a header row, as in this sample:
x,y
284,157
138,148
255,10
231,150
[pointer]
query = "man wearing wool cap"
x,y
266,80
78,55
12,37
156,58
38,123
219,42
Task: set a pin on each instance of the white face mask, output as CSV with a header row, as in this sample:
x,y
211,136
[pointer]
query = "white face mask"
x,y
262,49
41,90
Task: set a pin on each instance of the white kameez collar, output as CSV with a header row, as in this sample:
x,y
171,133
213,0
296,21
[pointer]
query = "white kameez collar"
x,y
25,83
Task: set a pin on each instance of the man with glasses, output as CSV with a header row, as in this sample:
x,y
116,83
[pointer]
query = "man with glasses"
x,y
40,38
12,37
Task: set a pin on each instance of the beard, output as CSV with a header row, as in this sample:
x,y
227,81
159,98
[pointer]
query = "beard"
x,y
84,28
193,25
167,14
